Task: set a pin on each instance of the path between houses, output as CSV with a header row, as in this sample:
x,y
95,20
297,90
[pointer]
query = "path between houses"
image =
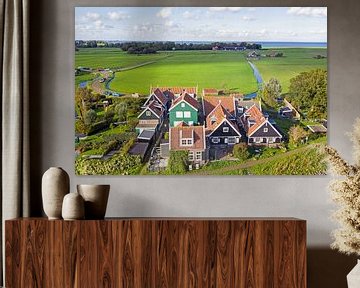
x,y
251,163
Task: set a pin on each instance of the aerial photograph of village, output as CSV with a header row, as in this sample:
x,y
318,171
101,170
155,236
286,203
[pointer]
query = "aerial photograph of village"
x,y
200,90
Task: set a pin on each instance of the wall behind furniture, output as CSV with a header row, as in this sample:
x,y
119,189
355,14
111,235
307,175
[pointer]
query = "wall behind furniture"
x,y
52,132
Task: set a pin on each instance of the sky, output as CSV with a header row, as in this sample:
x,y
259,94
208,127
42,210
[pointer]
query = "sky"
x,y
287,24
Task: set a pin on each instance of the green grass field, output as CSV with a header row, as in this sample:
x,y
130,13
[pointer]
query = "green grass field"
x,y
295,61
222,70
110,58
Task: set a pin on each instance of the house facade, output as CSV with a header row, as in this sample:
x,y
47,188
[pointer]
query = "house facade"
x,y
221,127
259,131
189,138
184,109
151,118
220,118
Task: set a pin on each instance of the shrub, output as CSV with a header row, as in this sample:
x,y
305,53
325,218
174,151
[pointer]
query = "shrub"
x,y
241,151
178,162
90,117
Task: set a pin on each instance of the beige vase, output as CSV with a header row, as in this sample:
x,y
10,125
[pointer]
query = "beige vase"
x,y
73,207
55,185
96,198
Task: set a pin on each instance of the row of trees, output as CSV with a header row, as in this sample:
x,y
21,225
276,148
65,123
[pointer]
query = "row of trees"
x,y
153,47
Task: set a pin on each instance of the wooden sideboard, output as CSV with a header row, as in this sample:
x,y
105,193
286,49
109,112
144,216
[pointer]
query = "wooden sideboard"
x,y
156,252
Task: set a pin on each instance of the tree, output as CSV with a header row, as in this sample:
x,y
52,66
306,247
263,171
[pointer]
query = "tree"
x,y
241,151
121,111
90,117
297,134
178,162
308,93
83,98
271,91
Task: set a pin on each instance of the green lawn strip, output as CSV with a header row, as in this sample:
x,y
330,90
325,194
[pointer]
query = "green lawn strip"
x,y
295,61
111,58
222,70
250,163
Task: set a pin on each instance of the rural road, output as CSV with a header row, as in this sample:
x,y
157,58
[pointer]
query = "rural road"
x,y
250,163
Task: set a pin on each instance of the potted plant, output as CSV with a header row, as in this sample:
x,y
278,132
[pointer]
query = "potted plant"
x,y
345,192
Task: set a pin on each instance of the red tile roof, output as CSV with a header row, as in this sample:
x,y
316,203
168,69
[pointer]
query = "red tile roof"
x,y
257,116
177,90
210,91
187,98
184,131
210,102
214,119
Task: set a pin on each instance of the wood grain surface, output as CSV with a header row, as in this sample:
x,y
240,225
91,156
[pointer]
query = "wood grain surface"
x,y
157,253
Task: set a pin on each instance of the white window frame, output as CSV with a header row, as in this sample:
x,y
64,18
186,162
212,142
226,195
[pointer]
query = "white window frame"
x,y
232,140
226,129
257,140
191,123
179,114
272,140
186,142
187,114
266,129
215,140
182,104
148,113
191,156
198,155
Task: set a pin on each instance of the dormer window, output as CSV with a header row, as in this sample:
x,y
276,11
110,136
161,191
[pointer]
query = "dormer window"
x,y
212,120
188,140
266,130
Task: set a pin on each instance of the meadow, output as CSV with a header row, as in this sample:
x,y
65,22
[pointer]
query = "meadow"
x,y
218,69
294,61
110,58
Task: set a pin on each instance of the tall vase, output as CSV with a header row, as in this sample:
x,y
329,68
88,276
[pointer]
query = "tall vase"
x,y
55,185
96,198
353,278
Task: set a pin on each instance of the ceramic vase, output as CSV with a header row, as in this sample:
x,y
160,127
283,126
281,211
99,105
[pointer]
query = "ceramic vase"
x,y
96,198
55,185
73,207
353,278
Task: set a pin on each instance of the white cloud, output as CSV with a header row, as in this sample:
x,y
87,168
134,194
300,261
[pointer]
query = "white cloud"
x,y
221,9
99,24
90,16
169,23
308,11
165,12
187,14
118,16
248,18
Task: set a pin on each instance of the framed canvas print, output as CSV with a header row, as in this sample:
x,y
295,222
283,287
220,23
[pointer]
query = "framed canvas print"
x,y
200,90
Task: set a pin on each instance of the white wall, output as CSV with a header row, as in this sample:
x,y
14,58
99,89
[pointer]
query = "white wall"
x,y
303,197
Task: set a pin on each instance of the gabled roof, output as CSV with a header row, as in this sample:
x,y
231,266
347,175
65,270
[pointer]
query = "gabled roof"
x,y
154,107
248,104
259,119
197,132
217,117
160,96
177,90
210,102
188,99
